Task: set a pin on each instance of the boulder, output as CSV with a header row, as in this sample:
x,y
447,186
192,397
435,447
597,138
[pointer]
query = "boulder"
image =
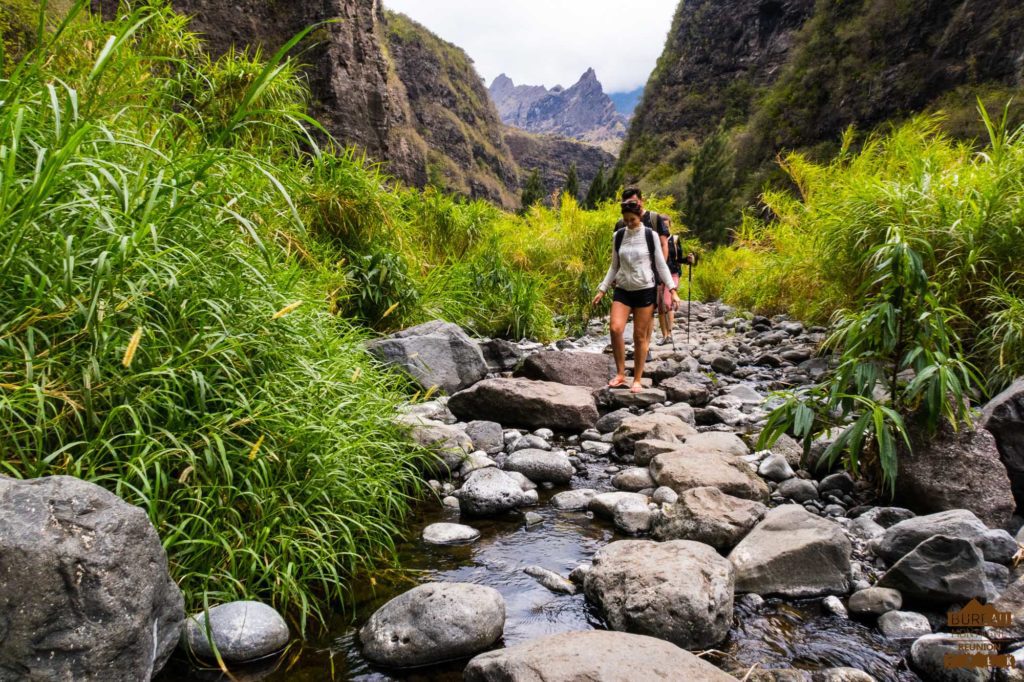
x,y
687,388
486,436
573,500
621,397
710,516
604,504
875,601
899,539
242,630
550,580
928,657
528,442
449,534
1012,601
633,480
611,421
903,624
475,460
501,355
435,353
650,426
948,471
489,491
649,448
940,570
718,441
775,468
592,655
85,593
685,469
574,368
679,591
798,489
793,553
1003,416
432,623
450,444
632,516
541,466
788,448
527,404
681,410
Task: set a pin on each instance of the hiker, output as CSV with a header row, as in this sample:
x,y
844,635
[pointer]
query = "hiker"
x,y
666,309
657,222
636,268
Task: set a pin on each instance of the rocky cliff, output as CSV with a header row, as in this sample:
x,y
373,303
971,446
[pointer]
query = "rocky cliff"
x,y
785,74
552,156
583,112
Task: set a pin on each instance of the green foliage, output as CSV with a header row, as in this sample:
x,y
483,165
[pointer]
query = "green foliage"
x,y
597,190
533,191
572,182
707,207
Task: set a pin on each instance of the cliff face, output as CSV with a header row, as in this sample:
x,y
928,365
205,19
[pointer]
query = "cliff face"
x,y
552,156
785,74
583,112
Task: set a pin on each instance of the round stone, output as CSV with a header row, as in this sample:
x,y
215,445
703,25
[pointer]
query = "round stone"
x,y
449,534
241,630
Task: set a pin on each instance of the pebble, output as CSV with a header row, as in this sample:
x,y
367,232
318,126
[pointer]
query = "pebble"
x,y
451,502
533,519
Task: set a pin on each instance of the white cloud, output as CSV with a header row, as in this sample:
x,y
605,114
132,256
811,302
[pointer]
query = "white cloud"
x,y
552,42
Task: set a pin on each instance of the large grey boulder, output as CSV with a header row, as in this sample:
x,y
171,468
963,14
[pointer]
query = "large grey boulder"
x,y
592,656
486,436
527,404
951,470
941,570
435,353
541,466
242,631
84,593
687,388
432,623
793,553
710,516
928,657
489,491
1003,416
679,591
501,355
899,539
686,468
574,368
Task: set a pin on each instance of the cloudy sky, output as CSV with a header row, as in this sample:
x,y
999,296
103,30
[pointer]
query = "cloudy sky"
x,y
552,42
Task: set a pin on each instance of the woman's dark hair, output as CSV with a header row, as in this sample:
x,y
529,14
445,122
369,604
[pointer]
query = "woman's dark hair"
x,y
632,207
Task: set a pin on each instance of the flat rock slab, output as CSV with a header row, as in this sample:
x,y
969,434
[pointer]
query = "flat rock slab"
x,y
527,404
573,368
686,468
623,397
242,630
679,591
793,553
541,466
432,623
662,427
591,656
710,516
449,534
718,441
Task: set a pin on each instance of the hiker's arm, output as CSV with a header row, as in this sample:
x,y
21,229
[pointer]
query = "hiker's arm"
x,y
663,272
664,246
613,270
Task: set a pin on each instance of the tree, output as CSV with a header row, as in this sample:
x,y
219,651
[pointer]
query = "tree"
x,y
533,191
597,190
572,182
707,206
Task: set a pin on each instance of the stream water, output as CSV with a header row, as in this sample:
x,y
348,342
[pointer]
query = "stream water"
x,y
777,634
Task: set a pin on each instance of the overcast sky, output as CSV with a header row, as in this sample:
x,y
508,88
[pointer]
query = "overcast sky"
x,y
552,42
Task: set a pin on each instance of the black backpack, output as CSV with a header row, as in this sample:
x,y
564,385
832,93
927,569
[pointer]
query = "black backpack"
x,y
620,234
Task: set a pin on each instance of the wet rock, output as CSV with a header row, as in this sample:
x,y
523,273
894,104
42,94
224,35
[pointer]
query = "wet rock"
x,y
679,591
798,489
527,404
1003,416
531,498
834,605
450,444
776,468
550,580
611,421
592,655
793,553
432,623
573,500
903,625
489,491
451,502
242,630
927,657
710,516
941,569
532,519
597,448
686,468
650,426
634,479
603,504
486,436
85,592
434,354
632,516
875,601
686,389
996,545
575,368
946,472
540,466
579,573
449,534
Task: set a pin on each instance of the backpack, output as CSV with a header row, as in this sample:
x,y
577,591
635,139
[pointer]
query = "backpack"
x,y
620,234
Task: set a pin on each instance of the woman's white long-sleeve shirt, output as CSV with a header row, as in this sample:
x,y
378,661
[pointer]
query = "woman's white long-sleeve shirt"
x,y
631,265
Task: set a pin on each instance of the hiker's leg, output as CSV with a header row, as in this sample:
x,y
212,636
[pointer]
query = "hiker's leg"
x,y
643,325
620,313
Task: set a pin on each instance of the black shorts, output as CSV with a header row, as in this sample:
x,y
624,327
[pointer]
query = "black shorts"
x,y
636,299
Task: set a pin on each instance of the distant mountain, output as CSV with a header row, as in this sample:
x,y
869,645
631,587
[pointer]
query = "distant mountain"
x,y
583,112
626,102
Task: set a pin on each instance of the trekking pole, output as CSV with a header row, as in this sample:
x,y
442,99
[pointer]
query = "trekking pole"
x,y
689,284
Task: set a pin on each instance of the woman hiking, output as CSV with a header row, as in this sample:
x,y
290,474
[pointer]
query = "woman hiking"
x,y
637,265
